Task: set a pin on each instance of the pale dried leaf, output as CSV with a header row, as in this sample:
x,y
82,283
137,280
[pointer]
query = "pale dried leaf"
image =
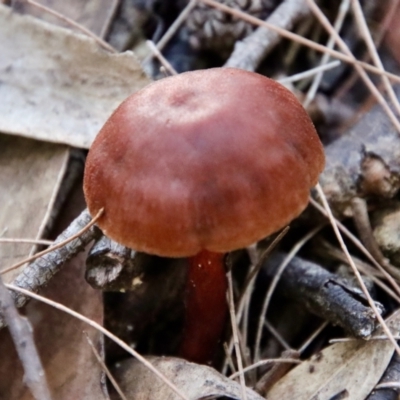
x,y
349,368
93,14
194,380
56,85
31,174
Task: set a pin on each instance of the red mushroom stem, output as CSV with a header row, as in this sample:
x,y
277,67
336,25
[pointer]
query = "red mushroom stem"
x,y
206,307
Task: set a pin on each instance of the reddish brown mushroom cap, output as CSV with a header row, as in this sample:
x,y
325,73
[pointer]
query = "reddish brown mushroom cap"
x,y
214,159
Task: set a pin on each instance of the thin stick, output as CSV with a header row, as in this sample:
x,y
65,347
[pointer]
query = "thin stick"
x,y
57,246
173,28
273,285
380,34
277,335
27,241
343,9
383,269
309,72
253,273
228,358
105,369
104,331
265,362
243,321
299,39
387,20
365,269
364,76
360,19
249,284
312,337
349,339
235,335
164,62
51,204
388,385
21,333
354,268
74,24
364,229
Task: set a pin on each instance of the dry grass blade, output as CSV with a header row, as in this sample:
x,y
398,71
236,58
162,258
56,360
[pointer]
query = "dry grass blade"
x,y
312,337
388,385
363,27
343,9
378,337
306,74
247,289
354,268
101,329
343,46
28,241
384,269
265,362
273,285
236,336
253,273
279,338
163,61
174,26
105,369
72,23
366,269
299,39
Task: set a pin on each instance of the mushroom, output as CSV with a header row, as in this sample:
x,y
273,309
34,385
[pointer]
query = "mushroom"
x,y
197,165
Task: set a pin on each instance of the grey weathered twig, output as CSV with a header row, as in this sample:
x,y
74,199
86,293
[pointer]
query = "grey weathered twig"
x,y
325,295
21,333
39,272
249,52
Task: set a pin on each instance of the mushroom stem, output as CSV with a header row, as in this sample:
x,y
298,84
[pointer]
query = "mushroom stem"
x,y
206,307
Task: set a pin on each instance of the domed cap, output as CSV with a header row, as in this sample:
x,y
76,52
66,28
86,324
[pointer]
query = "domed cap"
x,y
213,159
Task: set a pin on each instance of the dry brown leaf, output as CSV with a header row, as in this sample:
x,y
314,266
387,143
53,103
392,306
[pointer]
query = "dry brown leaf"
x,y
57,85
31,174
194,380
72,371
351,369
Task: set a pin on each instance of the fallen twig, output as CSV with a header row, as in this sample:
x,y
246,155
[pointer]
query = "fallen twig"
x,y
39,272
249,52
21,333
325,295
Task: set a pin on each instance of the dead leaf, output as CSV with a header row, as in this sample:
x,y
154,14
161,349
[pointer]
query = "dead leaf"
x,y
351,369
72,370
56,85
31,174
194,380
95,15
